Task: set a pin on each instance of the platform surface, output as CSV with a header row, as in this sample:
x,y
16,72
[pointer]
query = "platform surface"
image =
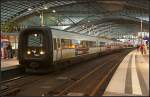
x,y
131,77
7,64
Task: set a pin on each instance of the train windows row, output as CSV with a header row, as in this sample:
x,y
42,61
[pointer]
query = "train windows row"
x,y
89,44
63,43
68,43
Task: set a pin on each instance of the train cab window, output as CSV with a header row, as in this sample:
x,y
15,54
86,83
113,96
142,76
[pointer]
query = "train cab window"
x,y
35,40
35,46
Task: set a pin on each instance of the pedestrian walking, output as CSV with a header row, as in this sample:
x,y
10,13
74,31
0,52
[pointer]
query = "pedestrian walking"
x,y
142,48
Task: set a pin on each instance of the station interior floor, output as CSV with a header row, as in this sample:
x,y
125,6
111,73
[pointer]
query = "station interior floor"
x,y
130,78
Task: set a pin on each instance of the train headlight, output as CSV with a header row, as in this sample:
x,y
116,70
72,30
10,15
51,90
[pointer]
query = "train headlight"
x,y
42,52
35,35
28,52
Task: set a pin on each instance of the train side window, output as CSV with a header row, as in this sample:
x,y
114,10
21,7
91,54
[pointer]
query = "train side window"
x,y
66,43
92,43
54,43
83,44
88,44
102,44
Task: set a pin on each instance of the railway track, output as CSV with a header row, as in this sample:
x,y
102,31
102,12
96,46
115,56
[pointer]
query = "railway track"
x,y
13,86
65,81
75,76
5,88
74,89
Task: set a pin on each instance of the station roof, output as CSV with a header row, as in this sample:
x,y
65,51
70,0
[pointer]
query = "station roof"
x,y
92,17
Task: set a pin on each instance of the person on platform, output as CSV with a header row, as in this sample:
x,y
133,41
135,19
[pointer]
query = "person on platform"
x,y
142,48
9,50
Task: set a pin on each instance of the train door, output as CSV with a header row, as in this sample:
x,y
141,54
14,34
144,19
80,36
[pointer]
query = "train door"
x,y
54,49
59,50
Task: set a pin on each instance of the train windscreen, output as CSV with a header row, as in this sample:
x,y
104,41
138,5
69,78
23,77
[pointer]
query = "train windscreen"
x,y
35,40
35,47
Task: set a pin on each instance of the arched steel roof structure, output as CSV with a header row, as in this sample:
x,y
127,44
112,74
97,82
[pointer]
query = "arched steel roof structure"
x,y
93,17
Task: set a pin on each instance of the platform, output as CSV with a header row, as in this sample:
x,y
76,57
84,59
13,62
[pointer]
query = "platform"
x,y
131,77
7,64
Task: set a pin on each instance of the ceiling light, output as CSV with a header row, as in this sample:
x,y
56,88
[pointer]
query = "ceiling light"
x,y
88,21
45,7
53,11
40,16
29,9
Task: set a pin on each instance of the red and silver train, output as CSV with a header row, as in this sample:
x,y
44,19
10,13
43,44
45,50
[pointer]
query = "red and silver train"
x,y
42,49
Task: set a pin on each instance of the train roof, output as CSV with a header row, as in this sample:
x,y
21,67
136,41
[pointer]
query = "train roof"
x,y
70,35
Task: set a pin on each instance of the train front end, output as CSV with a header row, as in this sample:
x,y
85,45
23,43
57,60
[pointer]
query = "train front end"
x,y
35,50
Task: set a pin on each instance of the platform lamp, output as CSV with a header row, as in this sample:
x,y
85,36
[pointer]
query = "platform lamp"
x,y
141,30
42,19
42,16
141,27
